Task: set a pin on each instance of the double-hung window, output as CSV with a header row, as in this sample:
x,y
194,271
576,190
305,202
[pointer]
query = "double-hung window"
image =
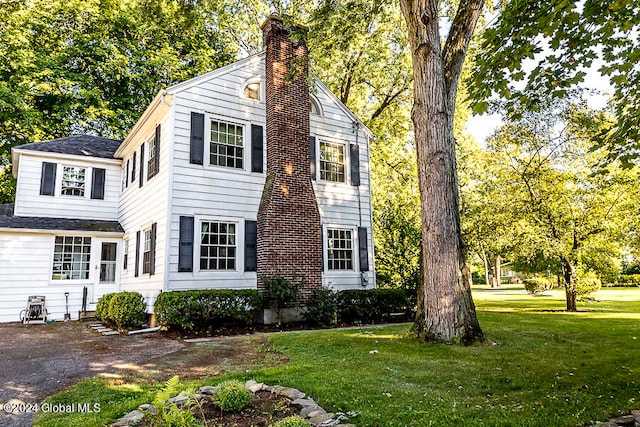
x,y
71,257
227,145
73,181
125,263
146,254
332,161
218,248
339,249
134,162
152,164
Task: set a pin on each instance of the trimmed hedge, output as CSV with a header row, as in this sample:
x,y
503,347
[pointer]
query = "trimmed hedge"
x,y
374,305
203,309
102,307
122,309
625,280
322,310
536,285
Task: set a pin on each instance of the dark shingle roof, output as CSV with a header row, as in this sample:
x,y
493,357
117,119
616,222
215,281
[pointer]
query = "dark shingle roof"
x,y
59,224
79,145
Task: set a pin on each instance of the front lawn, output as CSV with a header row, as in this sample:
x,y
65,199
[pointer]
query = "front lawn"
x,y
541,367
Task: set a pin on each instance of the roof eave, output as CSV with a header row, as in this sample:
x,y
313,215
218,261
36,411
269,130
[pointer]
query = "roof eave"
x,y
158,106
178,87
16,152
61,231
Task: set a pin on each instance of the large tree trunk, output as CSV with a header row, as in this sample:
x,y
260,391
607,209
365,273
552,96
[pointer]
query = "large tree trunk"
x,y
497,270
569,274
445,309
487,269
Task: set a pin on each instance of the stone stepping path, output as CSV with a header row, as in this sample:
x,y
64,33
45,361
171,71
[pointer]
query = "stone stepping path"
x,y
103,330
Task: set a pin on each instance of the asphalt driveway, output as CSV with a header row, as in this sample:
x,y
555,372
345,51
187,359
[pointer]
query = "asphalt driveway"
x,y
37,361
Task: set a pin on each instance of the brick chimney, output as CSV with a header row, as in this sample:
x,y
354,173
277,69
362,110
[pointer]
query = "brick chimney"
x,y
289,230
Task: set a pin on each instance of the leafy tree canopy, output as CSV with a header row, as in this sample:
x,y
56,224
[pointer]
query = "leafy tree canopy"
x,y
92,66
535,49
558,208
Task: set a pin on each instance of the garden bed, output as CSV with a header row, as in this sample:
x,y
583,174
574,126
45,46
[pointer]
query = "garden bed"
x,y
264,409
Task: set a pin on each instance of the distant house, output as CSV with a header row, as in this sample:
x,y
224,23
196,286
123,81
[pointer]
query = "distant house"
x,y
239,172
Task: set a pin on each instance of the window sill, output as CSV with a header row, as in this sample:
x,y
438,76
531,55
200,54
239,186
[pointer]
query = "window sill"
x,y
334,184
340,272
70,282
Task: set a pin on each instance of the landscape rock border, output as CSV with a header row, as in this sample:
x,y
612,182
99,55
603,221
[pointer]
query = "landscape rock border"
x,y
630,420
311,411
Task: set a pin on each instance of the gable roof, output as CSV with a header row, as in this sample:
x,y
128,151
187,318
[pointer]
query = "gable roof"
x,y
251,60
77,145
215,73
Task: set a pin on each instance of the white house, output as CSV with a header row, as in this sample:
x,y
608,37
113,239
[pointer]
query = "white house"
x,y
239,172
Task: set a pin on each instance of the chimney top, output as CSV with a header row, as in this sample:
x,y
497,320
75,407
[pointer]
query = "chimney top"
x,y
273,17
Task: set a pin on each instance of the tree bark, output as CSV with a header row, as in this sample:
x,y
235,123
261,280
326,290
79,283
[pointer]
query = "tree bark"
x,y
569,273
445,311
487,269
497,269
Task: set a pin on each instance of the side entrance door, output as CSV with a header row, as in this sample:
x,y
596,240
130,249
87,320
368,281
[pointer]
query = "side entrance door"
x,y
107,276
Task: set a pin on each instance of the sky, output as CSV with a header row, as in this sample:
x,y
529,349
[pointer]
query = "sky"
x,y
483,126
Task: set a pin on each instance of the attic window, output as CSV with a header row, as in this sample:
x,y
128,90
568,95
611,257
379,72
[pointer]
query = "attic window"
x,y
314,108
252,90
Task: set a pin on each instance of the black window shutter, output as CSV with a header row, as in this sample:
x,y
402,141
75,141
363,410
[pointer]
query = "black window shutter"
x,y
363,249
354,155
152,262
97,183
325,246
126,177
312,143
141,165
137,267
185,247
196,155
133,166
157,158
257,148
250,245
48,179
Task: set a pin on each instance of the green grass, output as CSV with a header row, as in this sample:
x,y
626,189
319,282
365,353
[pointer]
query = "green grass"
x,y
111,395
540,368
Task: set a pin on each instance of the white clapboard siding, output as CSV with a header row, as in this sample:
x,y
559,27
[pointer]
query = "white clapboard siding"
x,y
204,191
140,207
209,192
26,262
29,202
339,203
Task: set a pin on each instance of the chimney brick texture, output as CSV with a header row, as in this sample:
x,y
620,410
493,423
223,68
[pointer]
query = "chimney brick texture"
x,y
289,231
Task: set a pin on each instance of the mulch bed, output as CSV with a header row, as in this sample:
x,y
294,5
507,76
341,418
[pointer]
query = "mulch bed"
x,y
264,409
